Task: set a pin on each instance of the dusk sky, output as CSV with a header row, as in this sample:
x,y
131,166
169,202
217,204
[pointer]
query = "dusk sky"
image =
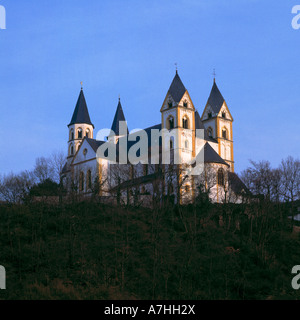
x,y
130,48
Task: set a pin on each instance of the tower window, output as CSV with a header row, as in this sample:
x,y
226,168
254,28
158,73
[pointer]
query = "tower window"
x,y
170,104
185,104
71,150
224,133
185,123
171,123
87,133
71,134
220,177
223,115
171,144
79,133
210,132
209,115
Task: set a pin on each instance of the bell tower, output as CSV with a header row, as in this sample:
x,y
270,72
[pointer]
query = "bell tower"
x,y
217,121
79,127
178,112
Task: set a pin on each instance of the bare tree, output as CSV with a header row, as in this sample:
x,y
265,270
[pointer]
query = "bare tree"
x,y
43,169
290,178
14,188
57,161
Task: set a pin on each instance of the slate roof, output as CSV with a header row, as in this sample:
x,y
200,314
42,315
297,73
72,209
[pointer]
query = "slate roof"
x,y
177,89
215,99
81,113
199,125
211,156
119,116
236,184
95,144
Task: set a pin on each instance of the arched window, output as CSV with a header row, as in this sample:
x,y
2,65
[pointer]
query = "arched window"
x,y
210,132
171,144
185,104
71,150
170,104
71,134
224,134
88,180
186,144
221,177
79,133
171,123
87,133
81,181
185,122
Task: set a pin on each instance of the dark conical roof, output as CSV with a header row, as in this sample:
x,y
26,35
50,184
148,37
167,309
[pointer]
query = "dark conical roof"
x,y
177,89
81,113
119,116
215,99
211,156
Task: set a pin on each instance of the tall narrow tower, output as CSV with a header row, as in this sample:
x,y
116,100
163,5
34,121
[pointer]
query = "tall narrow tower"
x,y
178,112
79,127
218,120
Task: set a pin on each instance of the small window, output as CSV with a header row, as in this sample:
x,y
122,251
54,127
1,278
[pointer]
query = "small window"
x,y
170,104
223,115
171,123
71,134
220,177
209,115
71,150
185,104
85,152
185,123
224,133
171,144
79,133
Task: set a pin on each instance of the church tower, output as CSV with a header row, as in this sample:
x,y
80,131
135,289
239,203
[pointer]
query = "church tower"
x,y
217,121
79,127
119,116
178,112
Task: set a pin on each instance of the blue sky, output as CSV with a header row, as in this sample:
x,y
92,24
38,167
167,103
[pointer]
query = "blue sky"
x,y
129,48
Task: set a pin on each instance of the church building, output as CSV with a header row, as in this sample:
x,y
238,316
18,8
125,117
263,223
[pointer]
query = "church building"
x,y
87,171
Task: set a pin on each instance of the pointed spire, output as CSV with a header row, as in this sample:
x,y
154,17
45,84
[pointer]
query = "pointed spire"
x,y
177,89
119,116
215,99
81,113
